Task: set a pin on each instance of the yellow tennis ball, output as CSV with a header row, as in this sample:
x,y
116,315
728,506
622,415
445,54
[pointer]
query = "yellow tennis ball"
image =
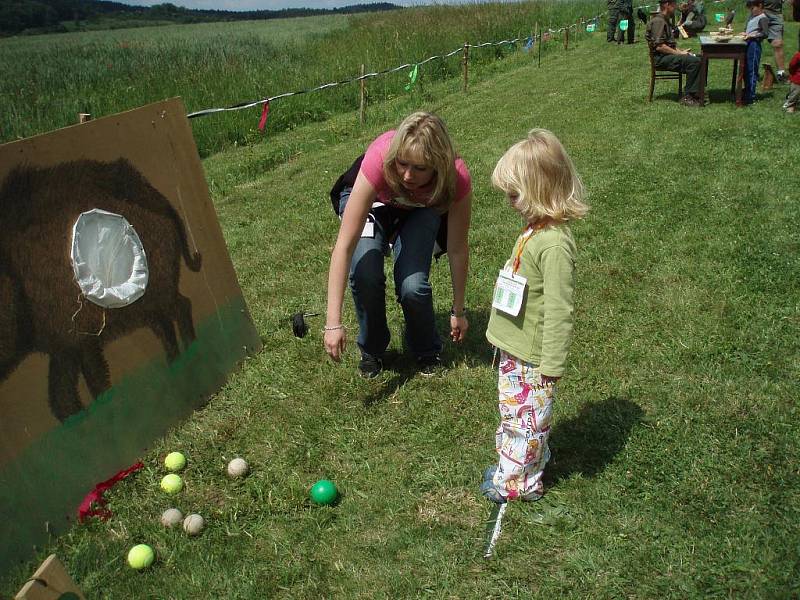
x,y
172,484
141,556
175,461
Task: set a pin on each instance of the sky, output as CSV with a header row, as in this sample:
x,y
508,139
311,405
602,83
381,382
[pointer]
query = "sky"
x,y
271,4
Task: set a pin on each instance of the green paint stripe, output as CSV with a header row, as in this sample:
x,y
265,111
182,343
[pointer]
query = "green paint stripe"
x,y
48,480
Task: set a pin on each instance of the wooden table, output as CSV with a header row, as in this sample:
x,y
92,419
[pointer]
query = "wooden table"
x,y
736,50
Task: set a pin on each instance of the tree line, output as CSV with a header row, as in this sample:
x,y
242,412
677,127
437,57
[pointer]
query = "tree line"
x,y
50,16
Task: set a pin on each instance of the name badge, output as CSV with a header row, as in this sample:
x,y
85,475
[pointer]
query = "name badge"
x,y
509,292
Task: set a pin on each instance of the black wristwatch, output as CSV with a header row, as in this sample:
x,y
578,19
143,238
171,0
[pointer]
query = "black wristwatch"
x,y
453,312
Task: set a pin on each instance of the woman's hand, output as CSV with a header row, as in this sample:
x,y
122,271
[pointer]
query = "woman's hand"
x,y
458,328
335,341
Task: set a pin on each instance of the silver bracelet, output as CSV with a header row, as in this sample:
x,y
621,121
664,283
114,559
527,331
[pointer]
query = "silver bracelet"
x,y
334,328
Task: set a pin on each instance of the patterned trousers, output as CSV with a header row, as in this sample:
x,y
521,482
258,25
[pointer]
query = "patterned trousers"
x,y
526,409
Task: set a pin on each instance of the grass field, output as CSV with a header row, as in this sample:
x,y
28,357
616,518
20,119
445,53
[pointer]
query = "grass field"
x,y
45,81
675,446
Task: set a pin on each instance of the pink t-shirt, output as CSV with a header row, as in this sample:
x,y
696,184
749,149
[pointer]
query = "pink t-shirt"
x,y
372,168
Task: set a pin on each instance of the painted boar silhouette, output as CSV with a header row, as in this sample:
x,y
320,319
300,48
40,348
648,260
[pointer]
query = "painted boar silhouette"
x,y
39,297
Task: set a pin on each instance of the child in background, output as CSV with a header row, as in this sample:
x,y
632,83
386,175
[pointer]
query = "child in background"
x,y
755,30
531,319
793,99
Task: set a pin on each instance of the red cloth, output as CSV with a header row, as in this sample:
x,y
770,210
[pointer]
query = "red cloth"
x,y
794,67
96,495
262,122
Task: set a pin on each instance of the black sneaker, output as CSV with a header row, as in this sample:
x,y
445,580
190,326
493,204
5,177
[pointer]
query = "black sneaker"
x,y
369,366
429,365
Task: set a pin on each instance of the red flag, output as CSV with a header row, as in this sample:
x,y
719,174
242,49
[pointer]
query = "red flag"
x,y
264,114
96,495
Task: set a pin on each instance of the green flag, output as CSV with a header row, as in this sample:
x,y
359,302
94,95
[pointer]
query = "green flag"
x,y
412,78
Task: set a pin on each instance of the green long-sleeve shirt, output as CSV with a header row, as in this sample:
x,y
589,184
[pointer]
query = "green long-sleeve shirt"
x,y
542,331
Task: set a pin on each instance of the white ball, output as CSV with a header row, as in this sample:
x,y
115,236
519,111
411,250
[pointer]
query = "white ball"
x,y
193,524
171,517
237,467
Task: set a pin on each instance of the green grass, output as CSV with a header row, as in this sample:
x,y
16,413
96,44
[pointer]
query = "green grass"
x,y
675,443
45,81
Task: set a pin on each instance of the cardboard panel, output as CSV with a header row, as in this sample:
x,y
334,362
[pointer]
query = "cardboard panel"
x,y
84,389
50,582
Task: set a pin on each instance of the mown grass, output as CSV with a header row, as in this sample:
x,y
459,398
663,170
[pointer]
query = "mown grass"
x,y
45,81
675,447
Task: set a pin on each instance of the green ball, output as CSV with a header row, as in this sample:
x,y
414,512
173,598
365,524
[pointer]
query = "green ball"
x,y
141,556
324,492
175,461
172,484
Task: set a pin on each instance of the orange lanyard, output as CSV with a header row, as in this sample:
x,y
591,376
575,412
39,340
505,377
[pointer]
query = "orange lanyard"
x,y
521,246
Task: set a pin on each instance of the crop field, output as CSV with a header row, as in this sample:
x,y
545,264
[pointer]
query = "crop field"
x,y
45,81
676,451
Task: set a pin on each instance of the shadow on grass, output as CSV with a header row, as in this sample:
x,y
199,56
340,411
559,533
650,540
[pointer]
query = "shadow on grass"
x,y
475,348
588,442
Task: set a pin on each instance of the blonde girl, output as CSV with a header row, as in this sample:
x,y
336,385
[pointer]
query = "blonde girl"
x,y
532,311
407,189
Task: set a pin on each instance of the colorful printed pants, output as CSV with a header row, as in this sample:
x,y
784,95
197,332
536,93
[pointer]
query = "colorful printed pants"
x,y
526,409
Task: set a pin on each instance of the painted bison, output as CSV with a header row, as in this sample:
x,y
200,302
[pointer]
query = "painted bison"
x,y
43,309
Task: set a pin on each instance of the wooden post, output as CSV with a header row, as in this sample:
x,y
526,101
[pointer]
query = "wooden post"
x,y
541,41
84,117
466,64
566,38
363,102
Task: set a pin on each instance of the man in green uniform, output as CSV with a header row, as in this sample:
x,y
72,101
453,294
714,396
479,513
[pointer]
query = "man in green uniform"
x,y
774,11
613,19
625,13
666,55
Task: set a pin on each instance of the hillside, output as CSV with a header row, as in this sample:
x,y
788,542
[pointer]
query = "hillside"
x,y
58,16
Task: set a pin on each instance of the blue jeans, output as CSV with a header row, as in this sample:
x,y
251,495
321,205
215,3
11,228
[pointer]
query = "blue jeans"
x,y
751,72
412,248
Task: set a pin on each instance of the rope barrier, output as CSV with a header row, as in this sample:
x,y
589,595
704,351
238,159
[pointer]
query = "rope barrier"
x,y
460,49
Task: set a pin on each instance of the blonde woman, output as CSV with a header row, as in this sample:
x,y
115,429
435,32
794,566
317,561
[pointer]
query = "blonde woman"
x,y
531,319
407,189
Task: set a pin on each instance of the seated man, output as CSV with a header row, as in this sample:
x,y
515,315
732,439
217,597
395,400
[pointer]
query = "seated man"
x,y
693,18
667,57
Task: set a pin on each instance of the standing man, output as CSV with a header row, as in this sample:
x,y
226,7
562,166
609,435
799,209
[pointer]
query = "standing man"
x,y
613,19
626,14
774,11
667,57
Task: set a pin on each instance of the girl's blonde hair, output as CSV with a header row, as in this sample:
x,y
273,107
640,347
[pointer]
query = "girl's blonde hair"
x,y
540,172
424,134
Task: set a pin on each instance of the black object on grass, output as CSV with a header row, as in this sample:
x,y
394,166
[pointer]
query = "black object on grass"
x,y
299,327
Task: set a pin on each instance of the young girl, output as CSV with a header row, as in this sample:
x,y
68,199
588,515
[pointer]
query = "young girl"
x,y
531,319
408,184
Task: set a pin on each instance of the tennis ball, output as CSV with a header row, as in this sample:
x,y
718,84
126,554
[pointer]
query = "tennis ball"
x,y
171,517
324,492
237,467
175,461
172,484
193,524
141,556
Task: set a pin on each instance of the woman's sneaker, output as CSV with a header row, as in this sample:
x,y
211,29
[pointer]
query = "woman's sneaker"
x,y
429,365
369,366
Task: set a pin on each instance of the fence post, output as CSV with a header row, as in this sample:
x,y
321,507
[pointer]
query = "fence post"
x,y
363,98
566,38
541,41
466,64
